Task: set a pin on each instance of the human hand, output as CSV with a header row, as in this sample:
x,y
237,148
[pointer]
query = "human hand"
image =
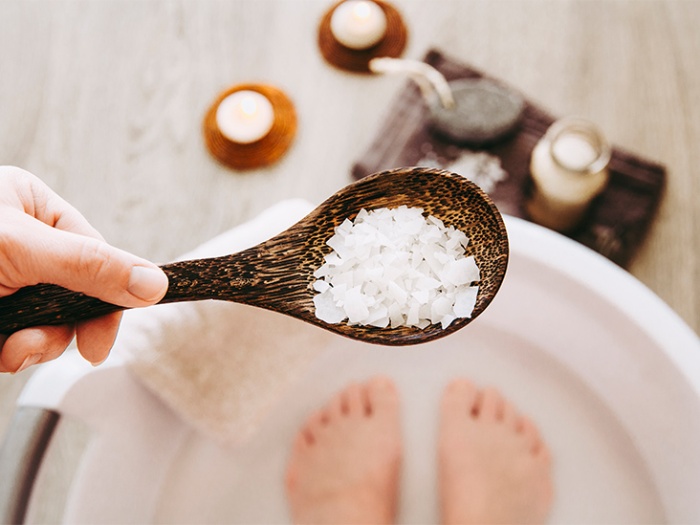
x,y
45,240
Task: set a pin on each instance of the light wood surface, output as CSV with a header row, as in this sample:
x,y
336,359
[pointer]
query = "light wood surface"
x,y
104,100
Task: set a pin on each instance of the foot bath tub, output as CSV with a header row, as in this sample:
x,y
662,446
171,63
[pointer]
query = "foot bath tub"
x,y
606,370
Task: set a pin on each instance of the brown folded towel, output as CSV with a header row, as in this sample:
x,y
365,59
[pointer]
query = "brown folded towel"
x,y
618,218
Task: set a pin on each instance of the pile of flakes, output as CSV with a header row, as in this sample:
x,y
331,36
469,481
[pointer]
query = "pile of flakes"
x,y
396,267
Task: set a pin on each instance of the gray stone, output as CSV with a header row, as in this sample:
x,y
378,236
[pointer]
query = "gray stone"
x,y
484,113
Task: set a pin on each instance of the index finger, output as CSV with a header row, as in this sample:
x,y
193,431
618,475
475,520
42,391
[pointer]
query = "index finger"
x,y
51,209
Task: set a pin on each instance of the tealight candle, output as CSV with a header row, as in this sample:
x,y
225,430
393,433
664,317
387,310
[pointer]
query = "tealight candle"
x,y
245,116
358,24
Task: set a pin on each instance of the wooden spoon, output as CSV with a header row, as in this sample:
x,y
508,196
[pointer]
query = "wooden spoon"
x,y
278,274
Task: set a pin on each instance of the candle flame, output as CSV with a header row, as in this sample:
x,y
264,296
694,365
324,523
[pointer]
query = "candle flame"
x,y
361,10
249,106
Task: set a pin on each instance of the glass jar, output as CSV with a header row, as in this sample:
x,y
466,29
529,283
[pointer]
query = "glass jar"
x,y
569,167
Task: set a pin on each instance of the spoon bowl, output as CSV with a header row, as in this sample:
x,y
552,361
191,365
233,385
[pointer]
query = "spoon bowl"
x,y
278,274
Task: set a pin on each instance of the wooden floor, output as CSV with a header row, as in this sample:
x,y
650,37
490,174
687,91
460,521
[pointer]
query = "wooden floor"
x,y
104,100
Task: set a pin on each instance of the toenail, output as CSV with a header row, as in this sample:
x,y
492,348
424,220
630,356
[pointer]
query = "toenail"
x,y
383,382
455,386
459,384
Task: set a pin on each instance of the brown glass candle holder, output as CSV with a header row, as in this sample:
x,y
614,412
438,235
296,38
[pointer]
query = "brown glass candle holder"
x,y
357,60
262,152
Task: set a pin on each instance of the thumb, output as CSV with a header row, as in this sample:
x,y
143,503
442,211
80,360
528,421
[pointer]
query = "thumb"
x,y
90,266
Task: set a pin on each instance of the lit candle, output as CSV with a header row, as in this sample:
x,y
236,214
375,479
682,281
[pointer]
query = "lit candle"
x,y
358,24
245,116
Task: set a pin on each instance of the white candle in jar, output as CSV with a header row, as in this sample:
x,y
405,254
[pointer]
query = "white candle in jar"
x,y
568,168
574,152
245,116
358,24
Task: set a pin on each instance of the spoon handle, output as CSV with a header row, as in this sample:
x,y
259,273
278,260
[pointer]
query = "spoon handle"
x,y
49,304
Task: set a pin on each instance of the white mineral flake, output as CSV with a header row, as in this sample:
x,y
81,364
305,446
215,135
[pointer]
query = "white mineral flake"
x,y
465,301
396,267
321,286
460,271
326,309
354,305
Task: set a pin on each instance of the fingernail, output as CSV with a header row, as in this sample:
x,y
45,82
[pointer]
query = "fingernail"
x,y
98,363
147,284
30,360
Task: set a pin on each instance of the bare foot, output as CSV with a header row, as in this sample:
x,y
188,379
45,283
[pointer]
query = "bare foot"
x,y
344,466
494,467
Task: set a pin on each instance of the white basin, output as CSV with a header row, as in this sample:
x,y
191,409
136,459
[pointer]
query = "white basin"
x,y
609,373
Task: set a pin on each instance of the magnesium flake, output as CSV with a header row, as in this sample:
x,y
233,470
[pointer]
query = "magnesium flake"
x,y
396,267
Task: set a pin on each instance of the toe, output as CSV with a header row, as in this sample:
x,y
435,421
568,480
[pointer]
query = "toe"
x,y
531,435
510,415
317,420
290,478
335,407
490,405
381,395
308,436
312,427
459,397
351,399
544,454
302,441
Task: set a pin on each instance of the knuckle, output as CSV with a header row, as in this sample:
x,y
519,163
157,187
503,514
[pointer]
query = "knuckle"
x,y
95,260
14,173
12,252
